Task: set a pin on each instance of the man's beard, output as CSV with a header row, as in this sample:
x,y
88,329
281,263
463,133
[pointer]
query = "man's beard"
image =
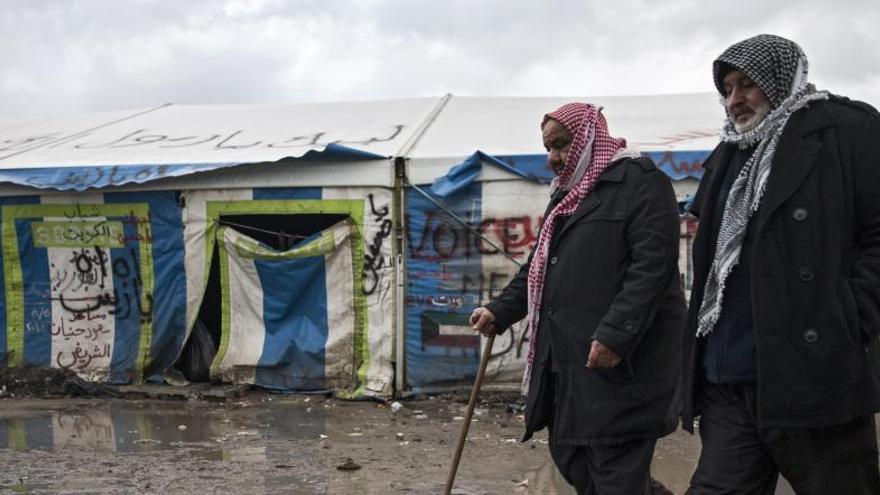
x,y
761,112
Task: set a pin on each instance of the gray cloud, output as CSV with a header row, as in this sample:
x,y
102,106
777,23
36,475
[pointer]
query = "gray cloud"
x,y
64,57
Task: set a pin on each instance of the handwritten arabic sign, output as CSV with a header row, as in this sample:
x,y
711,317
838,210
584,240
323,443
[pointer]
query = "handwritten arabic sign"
x,y
238,139
98,303
78,234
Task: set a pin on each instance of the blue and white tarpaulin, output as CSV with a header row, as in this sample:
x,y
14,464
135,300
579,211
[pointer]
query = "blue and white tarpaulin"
x,y
451,270
109,285
94,287
81,178
369,216
677,165
289,317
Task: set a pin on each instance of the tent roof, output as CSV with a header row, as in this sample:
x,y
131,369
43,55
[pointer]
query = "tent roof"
x,y
510,126
114,148
175,140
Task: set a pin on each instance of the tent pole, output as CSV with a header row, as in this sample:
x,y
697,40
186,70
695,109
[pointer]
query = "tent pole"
x,y
400,182
400,276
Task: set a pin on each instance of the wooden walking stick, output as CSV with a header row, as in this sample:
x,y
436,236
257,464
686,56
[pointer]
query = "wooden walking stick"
x,y
484,360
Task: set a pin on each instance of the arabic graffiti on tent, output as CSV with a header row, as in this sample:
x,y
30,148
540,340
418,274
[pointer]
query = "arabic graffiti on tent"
x,y
78,282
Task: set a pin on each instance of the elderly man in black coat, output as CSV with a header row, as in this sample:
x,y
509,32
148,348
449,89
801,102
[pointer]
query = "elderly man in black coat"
x,y
781,352
604,305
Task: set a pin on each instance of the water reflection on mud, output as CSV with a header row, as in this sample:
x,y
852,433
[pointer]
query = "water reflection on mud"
x,y
285,445
113,436
125,427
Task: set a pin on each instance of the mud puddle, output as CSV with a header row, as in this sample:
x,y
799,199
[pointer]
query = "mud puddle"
x,y
263,444
282,444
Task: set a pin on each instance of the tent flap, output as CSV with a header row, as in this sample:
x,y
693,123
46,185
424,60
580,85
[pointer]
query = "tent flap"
x,y
288,318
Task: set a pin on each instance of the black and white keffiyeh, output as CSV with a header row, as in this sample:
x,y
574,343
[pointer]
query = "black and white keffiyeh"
x,y
779,67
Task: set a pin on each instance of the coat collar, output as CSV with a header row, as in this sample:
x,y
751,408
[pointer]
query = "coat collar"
x,y
706,203
716,166
614,173
795,156
719,157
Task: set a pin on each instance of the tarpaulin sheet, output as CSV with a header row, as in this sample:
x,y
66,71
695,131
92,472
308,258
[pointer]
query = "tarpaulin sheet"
x,y
84,177
94,288
288,317
677,165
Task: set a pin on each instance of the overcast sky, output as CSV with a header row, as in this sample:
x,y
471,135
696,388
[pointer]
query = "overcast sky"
x,y
62,57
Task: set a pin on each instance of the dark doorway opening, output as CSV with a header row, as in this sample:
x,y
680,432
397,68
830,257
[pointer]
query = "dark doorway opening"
x,y
279,231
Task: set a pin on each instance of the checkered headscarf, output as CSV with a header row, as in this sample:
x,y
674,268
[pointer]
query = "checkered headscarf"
x,y
779,67
771,61
591,152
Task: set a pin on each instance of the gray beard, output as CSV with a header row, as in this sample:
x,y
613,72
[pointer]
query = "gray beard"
x,y
760,114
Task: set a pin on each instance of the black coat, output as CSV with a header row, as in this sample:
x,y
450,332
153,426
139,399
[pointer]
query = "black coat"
x,y
612,275
815,270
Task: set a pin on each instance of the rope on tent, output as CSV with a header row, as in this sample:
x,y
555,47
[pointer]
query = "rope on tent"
x,y
462,221
286,240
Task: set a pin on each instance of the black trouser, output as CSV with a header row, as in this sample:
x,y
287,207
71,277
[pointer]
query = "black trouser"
x,y
739,458
615,469
618,469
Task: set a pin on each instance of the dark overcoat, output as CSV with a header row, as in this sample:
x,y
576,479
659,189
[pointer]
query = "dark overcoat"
x,y
612,275
815,270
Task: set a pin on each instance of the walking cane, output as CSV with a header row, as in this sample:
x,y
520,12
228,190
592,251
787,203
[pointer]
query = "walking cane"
x,y
484,360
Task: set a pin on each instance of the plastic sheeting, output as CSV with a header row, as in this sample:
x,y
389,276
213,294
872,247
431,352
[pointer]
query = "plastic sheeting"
x,y
289,318
109,284
369,211
81,178
678,165
452,270
96,288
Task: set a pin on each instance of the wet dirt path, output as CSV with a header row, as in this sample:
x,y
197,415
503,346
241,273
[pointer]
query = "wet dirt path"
x,y
266,443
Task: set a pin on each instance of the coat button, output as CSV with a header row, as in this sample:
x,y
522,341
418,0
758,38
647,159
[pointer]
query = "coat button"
x,y
806,274
553,260
799,214
628,326
811,335
550,311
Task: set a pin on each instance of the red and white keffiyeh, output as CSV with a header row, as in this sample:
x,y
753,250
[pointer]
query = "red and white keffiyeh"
x,y
591,152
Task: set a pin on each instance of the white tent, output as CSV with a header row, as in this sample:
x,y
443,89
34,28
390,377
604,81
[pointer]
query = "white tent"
x,y
115,218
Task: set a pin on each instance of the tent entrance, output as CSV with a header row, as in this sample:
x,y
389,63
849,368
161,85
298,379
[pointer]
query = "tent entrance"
x,y
278,231
283,231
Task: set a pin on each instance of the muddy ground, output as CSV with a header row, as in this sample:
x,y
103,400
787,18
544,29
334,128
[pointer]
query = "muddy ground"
x,y
270,443
60,434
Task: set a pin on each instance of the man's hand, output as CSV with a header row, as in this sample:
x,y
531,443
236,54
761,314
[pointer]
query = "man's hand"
x,y
602,357
483,321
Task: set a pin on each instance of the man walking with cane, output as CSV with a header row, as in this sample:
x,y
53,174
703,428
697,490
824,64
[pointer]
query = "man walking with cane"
x,y
605,310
